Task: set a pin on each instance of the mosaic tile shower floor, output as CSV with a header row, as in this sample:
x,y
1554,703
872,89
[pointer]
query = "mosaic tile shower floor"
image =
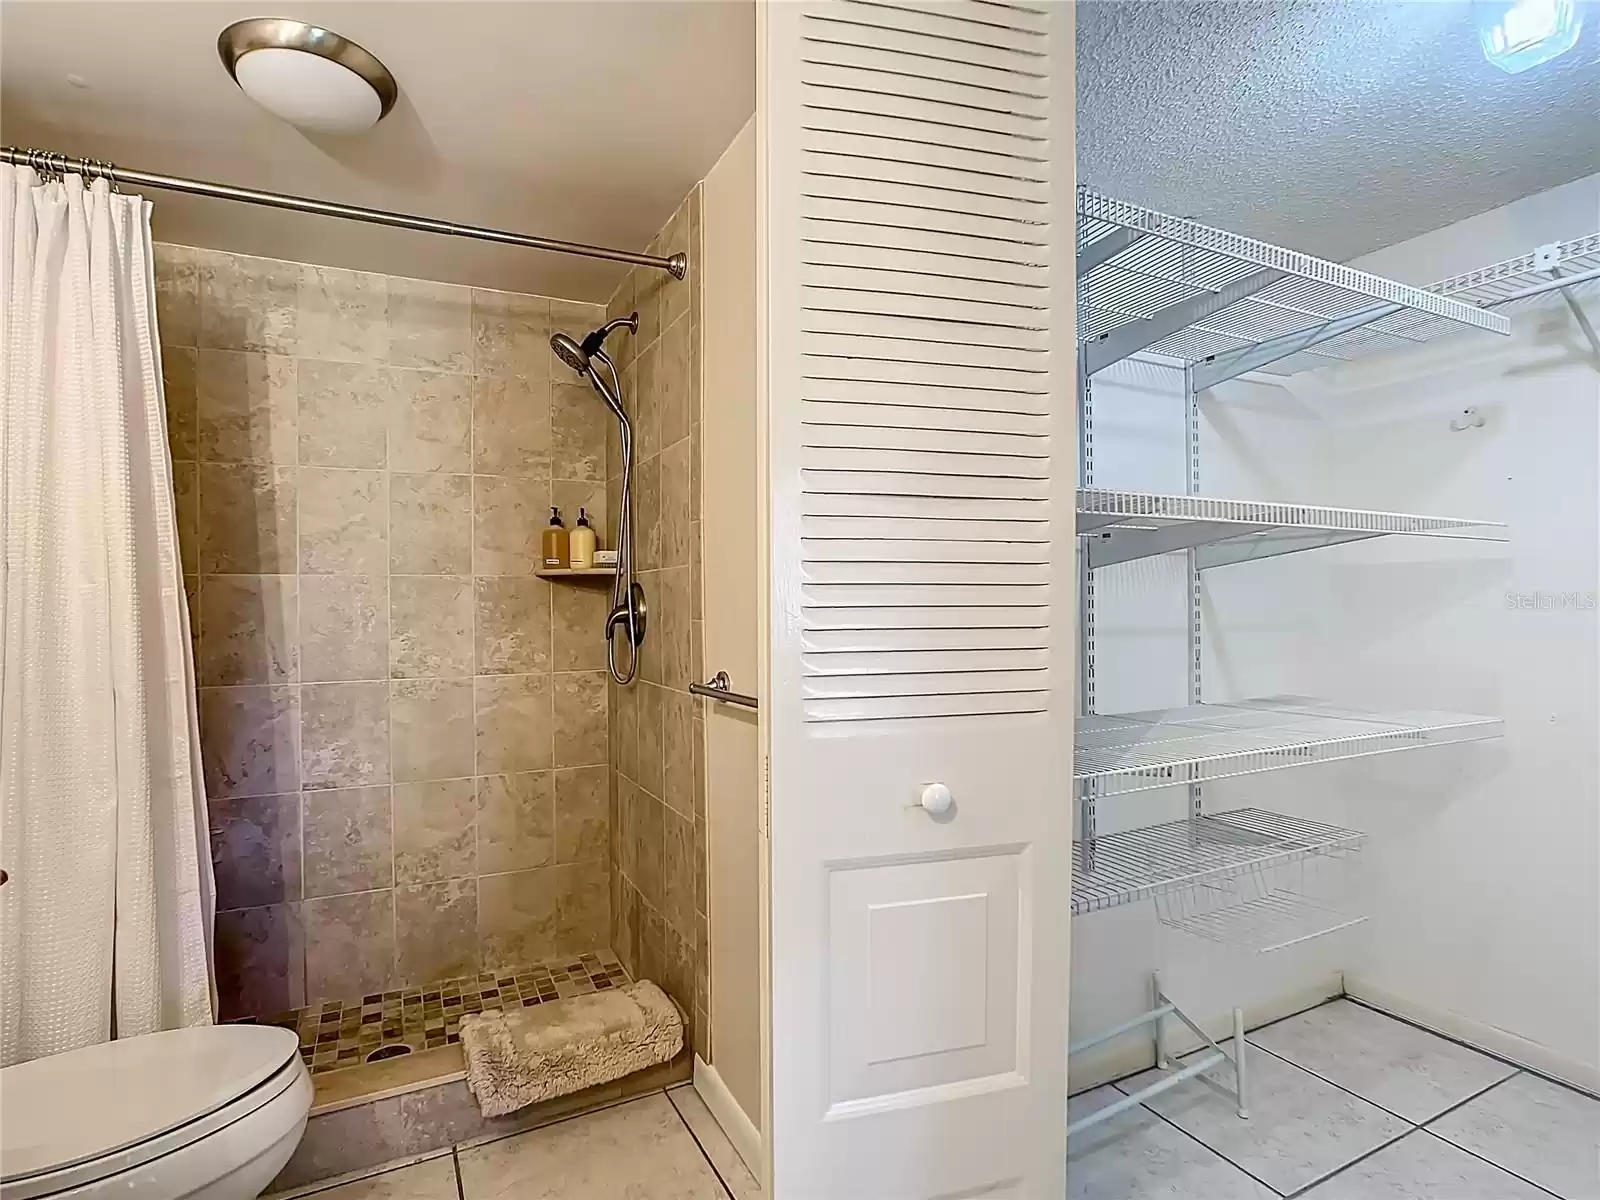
x,y
347,1033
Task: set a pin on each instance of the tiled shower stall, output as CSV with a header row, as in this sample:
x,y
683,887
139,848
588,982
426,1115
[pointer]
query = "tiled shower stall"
x,y
411,766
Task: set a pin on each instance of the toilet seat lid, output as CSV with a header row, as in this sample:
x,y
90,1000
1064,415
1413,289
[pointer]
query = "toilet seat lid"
x,y
85,1104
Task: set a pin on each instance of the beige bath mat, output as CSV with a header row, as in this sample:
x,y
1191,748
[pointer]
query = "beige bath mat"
x,y
530,1054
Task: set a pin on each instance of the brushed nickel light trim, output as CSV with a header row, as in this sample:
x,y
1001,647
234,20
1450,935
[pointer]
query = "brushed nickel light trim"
x,y
281,33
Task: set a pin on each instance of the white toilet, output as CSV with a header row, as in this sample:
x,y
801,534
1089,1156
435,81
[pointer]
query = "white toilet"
x,y
210,1113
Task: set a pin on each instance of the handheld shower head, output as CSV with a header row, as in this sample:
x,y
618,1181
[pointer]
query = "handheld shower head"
x,y
568,351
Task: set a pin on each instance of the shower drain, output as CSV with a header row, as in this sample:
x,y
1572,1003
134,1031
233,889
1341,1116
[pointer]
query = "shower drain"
x,y
395,1051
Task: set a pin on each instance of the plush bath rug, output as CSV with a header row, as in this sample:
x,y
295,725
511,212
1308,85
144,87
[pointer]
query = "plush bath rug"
x,y
530,1054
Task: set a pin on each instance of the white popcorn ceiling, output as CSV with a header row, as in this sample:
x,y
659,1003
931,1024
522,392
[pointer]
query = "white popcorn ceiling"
x,y
1334,128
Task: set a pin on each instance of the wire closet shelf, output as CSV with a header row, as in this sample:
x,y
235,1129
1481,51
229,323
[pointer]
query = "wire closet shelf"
x,y
1138,752
1186,291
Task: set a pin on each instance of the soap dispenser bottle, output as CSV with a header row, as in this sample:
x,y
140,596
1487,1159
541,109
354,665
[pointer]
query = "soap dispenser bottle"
x,y
555,542
582,543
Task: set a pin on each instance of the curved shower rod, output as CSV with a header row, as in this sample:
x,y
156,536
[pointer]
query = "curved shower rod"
x,y
43,160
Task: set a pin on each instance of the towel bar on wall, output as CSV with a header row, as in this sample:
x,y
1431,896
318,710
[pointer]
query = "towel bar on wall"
x,y
720,687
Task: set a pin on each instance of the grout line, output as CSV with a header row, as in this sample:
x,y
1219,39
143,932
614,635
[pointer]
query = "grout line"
x,y
1411,1121
1321,1179
1426,1132
1197,1141
455,1162
699,1145
1468,1149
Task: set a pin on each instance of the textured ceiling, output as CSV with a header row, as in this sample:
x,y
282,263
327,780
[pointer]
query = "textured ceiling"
x,y
1334,128
572,119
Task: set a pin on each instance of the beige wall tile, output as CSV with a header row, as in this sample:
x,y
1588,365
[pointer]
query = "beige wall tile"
x,y
255,850
514,723
247,519
249,740
344,627
650,652
511,432
677,751
674,626
177,295
677,871
625,729
430,420
516,822
430,325
348,841
436,931
186,513
247,407
344,734
579,421
430,524
261,961
513,625
342,315
678,236
628,837
430,626
432,724
518,918
248,630
179,381
509,516
647,513
672,384
343,522
578,626
247,303
673,497
576,317
582,825
620,305
649,703
646,423
344,414
573,495
349,945
583,907
649,832
435,831
580,719
510,333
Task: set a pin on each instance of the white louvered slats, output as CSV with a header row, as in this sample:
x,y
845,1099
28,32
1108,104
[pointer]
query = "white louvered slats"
x,y
925,454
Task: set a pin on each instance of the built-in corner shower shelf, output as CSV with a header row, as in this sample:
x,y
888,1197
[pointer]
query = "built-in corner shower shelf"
x,y
1149,282
1136,752
1121,526
1144,863
576,572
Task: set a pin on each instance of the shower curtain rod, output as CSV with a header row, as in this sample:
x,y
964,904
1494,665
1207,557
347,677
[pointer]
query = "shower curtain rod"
x,y
43,160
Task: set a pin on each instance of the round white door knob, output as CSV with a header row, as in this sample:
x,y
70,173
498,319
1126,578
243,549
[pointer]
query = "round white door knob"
x,y
936,798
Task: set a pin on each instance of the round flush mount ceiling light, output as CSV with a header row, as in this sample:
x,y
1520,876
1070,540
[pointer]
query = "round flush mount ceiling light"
x,y
309,76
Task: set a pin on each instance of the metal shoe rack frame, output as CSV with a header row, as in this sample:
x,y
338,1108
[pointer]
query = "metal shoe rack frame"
x,y
1218,305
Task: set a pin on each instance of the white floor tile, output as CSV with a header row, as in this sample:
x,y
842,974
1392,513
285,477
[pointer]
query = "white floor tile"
x,y
714,1142
1536,1129
1421,1165
1135,1155
434,1179
1397,1066
640,1150
1300,1129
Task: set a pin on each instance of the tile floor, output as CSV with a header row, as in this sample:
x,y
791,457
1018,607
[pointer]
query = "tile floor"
x,y
664,1146
348,1033
1346,1104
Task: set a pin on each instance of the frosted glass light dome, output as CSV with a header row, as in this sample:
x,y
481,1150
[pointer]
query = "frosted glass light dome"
x,y
309,76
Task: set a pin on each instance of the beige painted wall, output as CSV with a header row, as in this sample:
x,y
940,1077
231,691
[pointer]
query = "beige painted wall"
x,y
732,640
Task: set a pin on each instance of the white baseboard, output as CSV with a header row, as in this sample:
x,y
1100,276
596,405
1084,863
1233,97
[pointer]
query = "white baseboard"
x,y
1499,1042
741,1131
1136,1052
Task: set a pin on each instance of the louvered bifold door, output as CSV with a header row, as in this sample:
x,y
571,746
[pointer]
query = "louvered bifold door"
x,y
917,286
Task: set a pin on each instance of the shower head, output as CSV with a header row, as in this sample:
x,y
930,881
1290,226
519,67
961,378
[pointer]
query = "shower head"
x,y
569,352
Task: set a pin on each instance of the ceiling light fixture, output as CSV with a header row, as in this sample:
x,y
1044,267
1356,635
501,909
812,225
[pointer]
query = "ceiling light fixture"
x,y
1518,34
309,76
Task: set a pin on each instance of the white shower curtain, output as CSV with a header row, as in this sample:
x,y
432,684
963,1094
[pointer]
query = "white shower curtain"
x,y
105,921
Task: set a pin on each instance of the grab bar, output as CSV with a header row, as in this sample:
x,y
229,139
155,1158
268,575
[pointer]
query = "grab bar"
x,y
720,687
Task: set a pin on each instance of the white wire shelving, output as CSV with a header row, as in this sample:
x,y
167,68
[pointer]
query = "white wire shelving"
x,y
1125,525
1188,292
1570,269
1143,863
1136,752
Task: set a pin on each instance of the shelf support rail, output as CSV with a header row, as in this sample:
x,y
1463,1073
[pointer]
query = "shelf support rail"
x,y
1166,1007
1129,339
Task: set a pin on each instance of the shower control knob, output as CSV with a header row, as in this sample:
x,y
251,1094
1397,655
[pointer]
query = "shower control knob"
x,y
936,799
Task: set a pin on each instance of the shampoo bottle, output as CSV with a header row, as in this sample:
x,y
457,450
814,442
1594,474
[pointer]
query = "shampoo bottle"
x,y
582,543
555,542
